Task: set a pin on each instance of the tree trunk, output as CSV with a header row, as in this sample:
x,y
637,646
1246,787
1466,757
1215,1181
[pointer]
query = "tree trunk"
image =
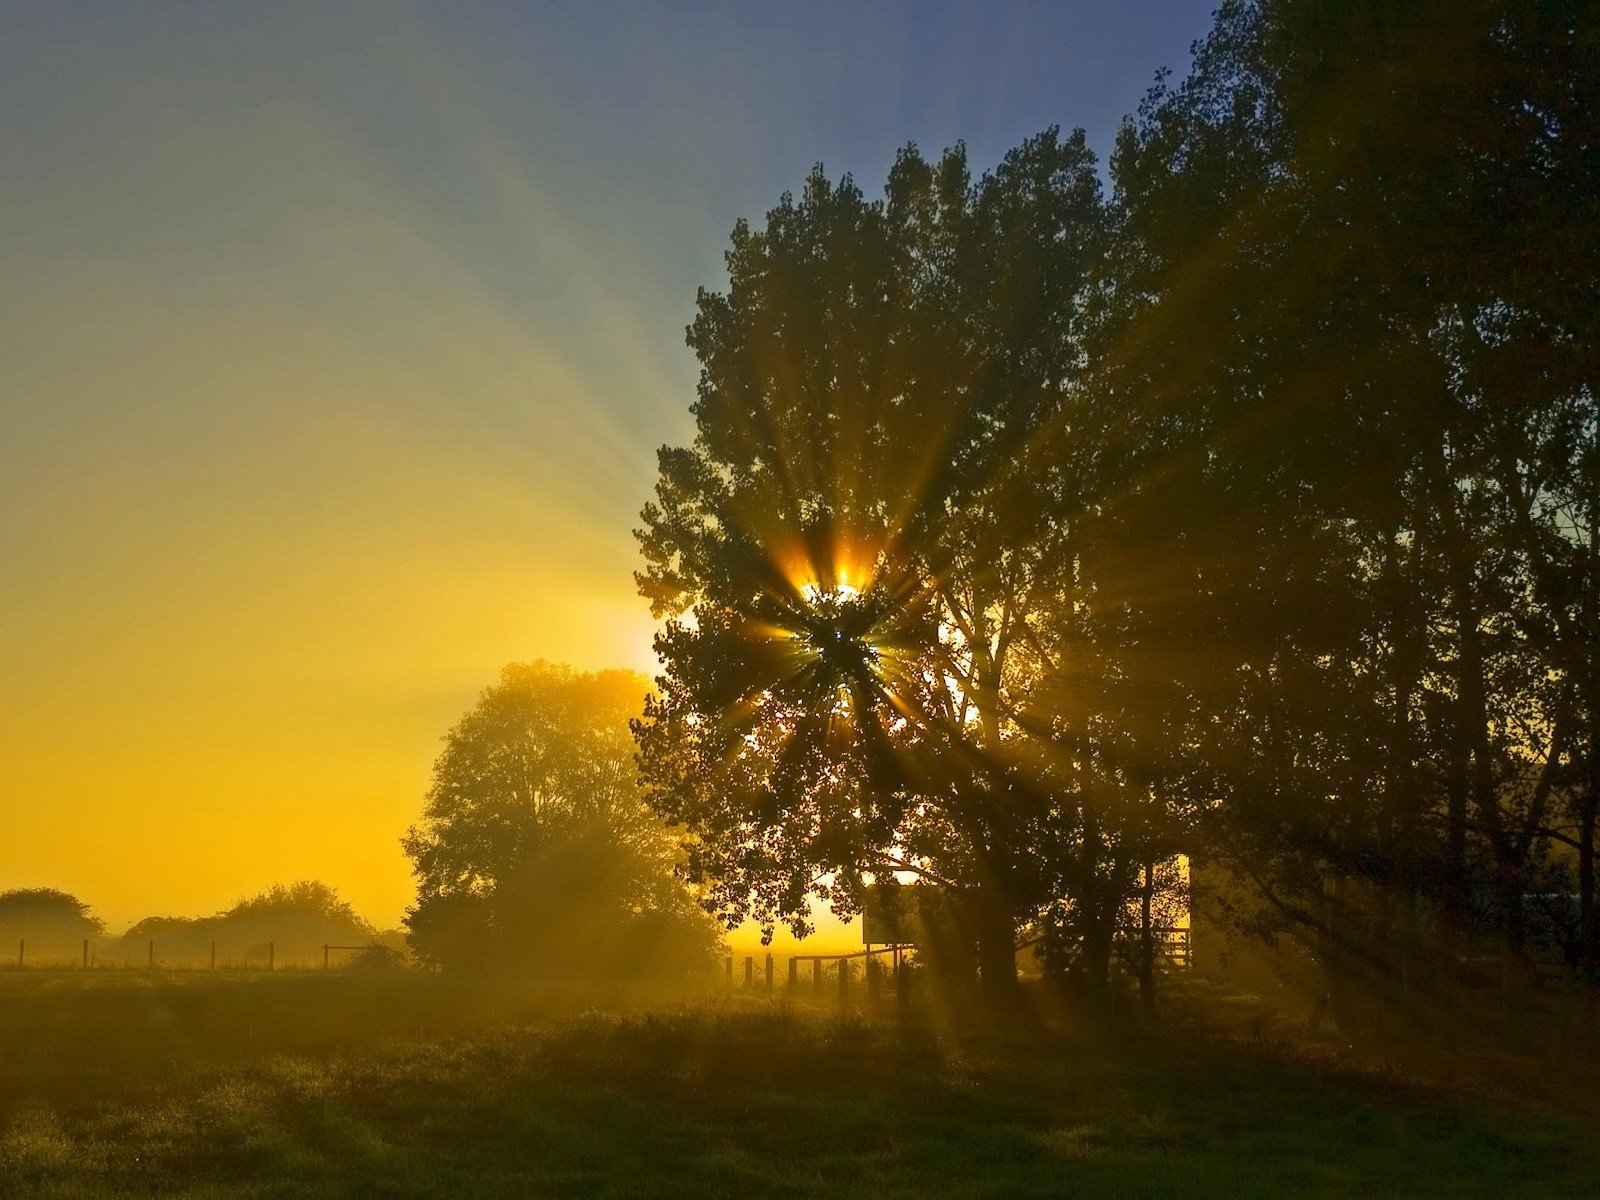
x,y
1147,943
1584,947
1587,947
1098,928
1098,936
996,938
1455,859
1335,963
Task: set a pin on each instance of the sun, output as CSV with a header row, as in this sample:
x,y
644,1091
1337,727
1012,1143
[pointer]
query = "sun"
x,y
842,589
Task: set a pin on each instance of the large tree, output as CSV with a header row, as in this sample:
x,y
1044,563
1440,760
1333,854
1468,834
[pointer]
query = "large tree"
x,y
1346,338
1027,539
867,559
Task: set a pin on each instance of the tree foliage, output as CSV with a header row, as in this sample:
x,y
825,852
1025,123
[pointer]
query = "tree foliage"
x,y
52,922
291,922
1032,536
869,583
1343,291
536,853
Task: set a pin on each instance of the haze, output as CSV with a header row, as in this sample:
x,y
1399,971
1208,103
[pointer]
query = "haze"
x,y
338,344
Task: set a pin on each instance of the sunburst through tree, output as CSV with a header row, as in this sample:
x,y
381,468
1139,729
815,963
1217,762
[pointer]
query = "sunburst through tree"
x,y
865,558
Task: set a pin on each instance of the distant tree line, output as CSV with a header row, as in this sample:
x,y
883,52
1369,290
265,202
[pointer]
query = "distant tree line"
x,y
295,920
1035,533
291,922
53,922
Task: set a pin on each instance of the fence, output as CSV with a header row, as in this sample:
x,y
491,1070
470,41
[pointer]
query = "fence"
x,y
1170,943
93,954
881,967
888,967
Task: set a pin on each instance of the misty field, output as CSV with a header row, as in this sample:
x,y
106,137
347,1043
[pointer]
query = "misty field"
x,y
119,1083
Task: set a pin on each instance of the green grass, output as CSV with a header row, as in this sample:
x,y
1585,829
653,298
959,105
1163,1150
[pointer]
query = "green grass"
x,y
122,1083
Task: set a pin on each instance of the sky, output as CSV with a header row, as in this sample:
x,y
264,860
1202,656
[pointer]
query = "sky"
x,y
336,343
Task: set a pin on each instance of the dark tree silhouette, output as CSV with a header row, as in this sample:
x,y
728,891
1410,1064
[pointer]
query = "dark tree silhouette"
x,y
1028,540
1353,374
871,538
295,920
54,923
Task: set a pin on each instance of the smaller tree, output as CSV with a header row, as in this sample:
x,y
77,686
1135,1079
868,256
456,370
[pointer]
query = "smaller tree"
x,y
536,852
296,920
53,922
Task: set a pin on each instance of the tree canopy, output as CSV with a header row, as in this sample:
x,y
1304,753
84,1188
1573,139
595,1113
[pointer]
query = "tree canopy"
x,y
536,853
854,544
1033,534
295,920
53,922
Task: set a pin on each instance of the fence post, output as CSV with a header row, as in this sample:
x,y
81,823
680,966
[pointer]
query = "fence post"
x,y
749,970
324,956
769,970
794,972
729,965
22,950
272,954
86,953
150,956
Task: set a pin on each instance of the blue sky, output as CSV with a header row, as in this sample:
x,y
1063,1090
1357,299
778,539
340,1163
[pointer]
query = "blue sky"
x,y
339,339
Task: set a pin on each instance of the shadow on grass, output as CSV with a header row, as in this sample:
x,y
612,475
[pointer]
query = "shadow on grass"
x,y
412,1087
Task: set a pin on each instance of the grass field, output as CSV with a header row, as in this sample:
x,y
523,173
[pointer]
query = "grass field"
x,y
119,1083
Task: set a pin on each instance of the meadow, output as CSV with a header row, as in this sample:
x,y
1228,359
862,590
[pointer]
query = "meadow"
x,y
186,1084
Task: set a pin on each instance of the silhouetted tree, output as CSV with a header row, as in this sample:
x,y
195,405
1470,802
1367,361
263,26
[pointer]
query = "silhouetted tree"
x,y
873,542
1028,541
1353,371
536,852
296,920
53,922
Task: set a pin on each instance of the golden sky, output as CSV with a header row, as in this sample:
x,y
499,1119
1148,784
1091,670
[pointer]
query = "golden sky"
x,y
285,477
232,666
337,343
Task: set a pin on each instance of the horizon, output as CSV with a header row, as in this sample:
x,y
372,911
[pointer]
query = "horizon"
x,y
501,502
341,363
